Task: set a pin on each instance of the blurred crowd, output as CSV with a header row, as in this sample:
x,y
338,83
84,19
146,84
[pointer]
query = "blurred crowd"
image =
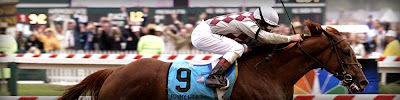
x,y
380,40
76,32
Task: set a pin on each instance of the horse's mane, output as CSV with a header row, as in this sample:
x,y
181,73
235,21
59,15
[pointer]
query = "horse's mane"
x,y
316,28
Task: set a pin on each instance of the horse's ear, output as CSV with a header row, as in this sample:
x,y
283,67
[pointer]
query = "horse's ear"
x,y
314,28
332,30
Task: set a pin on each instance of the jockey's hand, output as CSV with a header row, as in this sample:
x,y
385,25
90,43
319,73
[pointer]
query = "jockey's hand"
x,y
295,38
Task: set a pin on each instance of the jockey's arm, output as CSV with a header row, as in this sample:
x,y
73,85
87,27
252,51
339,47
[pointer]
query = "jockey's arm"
x,y
250,29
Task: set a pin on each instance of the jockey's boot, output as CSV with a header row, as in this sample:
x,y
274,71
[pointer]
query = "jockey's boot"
x,y
217,77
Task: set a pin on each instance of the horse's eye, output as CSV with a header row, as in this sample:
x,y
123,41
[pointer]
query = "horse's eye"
x,y
347,52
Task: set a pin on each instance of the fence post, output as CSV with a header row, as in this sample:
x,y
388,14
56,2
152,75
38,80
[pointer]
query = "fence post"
x,y
13,80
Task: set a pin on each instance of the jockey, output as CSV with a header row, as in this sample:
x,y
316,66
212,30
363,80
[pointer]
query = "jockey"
x,y
227,35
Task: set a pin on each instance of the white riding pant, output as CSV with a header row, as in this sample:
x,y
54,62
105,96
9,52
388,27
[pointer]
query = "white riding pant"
x,y
204,39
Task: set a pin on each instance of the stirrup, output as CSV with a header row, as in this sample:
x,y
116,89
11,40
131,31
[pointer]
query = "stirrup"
x,y
227,85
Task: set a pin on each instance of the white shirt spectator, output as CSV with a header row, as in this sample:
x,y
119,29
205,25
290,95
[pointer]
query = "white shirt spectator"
x,y
69,39
82,18
358,49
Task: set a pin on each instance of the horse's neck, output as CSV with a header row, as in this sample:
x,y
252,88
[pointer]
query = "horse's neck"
x,y
287,67
283,71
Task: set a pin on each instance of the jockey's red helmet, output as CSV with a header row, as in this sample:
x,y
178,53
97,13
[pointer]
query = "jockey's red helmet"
x,y
268,14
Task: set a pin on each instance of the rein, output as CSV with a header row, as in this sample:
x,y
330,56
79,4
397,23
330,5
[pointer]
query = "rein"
x,y
346,77
269,56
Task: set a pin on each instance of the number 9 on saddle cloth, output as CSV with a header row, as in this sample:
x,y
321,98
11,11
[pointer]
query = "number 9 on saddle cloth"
x,y
187,81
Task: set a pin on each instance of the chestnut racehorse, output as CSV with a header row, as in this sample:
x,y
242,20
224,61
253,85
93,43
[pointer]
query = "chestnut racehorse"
x,y
272,80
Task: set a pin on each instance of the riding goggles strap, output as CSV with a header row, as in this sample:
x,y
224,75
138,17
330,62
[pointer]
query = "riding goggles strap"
x,y
259,27
258,32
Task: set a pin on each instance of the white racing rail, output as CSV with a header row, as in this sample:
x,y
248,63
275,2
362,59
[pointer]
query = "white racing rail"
x,y
295,97
64,68
121,59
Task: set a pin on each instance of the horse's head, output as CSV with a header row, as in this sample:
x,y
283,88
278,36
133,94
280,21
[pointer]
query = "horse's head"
x,y
336,56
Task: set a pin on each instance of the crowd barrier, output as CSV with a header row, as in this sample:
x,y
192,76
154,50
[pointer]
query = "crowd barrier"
x,y
121,59
69,69
295,97
74,67
191,51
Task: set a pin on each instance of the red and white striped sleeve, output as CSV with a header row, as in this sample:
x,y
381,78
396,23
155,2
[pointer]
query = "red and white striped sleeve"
x,y
250,28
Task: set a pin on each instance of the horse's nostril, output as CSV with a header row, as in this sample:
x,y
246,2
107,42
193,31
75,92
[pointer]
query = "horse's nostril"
x,y
364,83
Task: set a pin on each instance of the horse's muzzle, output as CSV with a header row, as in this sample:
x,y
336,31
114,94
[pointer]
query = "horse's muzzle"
x,y
354,88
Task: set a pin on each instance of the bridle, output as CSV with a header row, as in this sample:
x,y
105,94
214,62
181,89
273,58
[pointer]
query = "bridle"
x,y
346,77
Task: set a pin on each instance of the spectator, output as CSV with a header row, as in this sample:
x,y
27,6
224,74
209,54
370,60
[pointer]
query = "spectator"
x,y
82,36
133,35
8,45
103,20
345,35
117,39
370,22
371,33
145,17
49,41
40,28
386,26
189,28
397,32
168,40
202,16
33,45
125,14
106,36
144,30
376,24
356,45
180,40
82,18
90,38
57,18
298,27
102,36
150,44
175,21
278,30
181,25
379,39
285,31
21,40
58,30
78,36
363,37
393,48
375,39
69,39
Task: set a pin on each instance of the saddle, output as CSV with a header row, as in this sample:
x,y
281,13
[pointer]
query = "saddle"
x,y
187,81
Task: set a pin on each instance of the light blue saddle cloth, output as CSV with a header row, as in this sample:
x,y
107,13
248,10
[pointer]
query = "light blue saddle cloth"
x,y
187,81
